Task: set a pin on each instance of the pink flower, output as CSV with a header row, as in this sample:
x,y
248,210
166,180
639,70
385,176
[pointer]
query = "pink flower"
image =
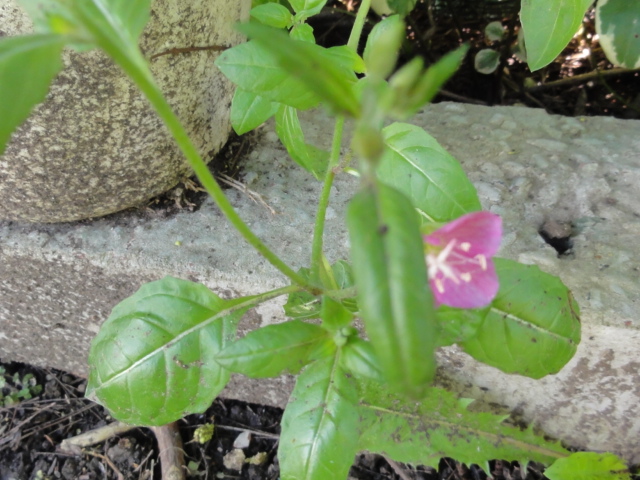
x,y
461,272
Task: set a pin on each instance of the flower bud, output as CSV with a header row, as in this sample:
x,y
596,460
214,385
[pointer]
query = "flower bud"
x,y
383,45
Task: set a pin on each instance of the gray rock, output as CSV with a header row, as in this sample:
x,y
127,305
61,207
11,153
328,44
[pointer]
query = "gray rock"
x,y
95,146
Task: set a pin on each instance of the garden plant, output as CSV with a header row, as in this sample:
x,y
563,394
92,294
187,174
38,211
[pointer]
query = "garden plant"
x,y
422,272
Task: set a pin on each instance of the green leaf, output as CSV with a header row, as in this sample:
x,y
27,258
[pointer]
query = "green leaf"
x,y
303,32
437,75
458,324
152,361
343,274
383,46
276,349
441,426
115,26
334,314
288,128
533,325
303,305
395,300
548,27
359,359
402,7
307,8
487,61
129,16
273,15
249,111
416,164
322,70
588,466
617,24
28,64
494,31
320,424
255,68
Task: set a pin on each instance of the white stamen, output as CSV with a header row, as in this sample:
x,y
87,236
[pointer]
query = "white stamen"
x,y
448,262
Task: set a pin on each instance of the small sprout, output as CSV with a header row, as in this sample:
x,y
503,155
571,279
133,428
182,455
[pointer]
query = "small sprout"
x,y
203,433
487,61
258,459
192,468
494,31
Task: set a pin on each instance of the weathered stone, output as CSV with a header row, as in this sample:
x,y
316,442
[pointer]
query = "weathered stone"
x,y
71,275
95,146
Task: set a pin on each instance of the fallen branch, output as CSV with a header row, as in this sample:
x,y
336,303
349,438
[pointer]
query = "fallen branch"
x,y
86,439
171,452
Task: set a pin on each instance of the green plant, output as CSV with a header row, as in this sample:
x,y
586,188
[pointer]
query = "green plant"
x,y
14,389
422,273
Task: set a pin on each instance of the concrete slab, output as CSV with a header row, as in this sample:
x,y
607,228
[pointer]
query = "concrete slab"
x,y
58,282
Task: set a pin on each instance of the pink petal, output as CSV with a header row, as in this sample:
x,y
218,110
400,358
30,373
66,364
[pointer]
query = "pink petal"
x,y
481,230
479,292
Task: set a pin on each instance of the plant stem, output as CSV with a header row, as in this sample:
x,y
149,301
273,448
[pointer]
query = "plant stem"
x,y
316,248
138,71
356,31
323,203
248,302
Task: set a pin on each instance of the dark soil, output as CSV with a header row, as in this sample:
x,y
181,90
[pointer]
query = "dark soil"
x,y
41,407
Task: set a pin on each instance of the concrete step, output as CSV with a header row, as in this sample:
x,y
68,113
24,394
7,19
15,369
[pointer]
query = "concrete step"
x,y
59,282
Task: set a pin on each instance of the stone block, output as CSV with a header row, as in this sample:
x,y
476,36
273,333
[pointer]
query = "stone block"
x,y
58,282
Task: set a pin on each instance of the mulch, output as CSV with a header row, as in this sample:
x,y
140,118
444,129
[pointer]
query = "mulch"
x,y
39,408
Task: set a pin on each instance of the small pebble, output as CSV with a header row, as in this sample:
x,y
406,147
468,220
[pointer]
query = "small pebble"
x,y
234,460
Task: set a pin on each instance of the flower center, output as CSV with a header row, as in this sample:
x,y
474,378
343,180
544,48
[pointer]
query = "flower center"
x,y
451,261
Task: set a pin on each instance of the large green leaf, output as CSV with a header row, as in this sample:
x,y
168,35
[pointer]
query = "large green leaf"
x,y
459,324
28,64
395,301
533,325
249,111
440,425
416,164
588,466
276,349
153,360
618,27
320,424
548,27
255,68
327,72
289,130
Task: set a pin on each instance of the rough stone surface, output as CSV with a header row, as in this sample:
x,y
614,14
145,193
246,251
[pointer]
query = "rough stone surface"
x,y
531,168
95,146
